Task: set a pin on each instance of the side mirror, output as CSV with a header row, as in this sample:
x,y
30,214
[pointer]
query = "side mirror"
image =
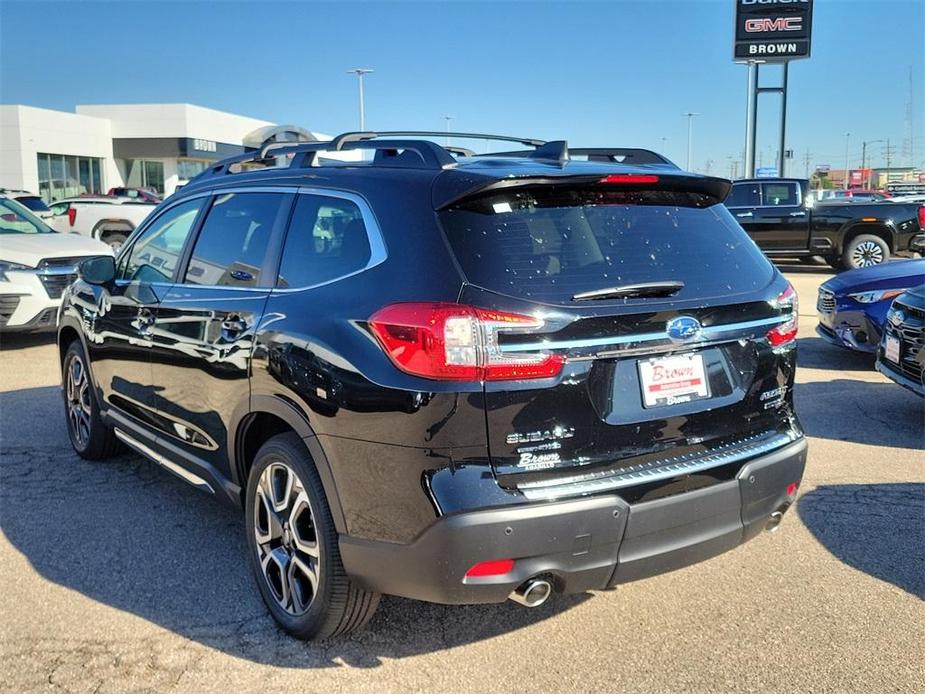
x,y
100,270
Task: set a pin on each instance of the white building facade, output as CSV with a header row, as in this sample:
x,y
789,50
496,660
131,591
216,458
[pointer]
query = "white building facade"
x,y
58,154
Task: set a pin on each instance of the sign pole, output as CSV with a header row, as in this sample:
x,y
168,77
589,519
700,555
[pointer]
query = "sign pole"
x,y
782,152
751,119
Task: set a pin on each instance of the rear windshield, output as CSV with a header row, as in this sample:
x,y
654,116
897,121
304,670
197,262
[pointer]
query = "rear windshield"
x,y
548,244
34,203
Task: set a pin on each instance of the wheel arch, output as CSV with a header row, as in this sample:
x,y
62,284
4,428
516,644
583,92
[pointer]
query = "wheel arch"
x,y
268,416
855,228
117,225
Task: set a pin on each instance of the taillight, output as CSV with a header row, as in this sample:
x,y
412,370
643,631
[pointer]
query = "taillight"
x,y
630,179
786,332
922,216
71,215
458,343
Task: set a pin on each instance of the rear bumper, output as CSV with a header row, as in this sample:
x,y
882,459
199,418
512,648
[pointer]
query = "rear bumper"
x,y
583,544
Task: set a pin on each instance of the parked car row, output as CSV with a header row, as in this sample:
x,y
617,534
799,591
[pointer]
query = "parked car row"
x,y
879,310
36,265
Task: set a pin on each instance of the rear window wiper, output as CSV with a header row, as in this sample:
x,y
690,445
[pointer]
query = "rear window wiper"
x,y
631,291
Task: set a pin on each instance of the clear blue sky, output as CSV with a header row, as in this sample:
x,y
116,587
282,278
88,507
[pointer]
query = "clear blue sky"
x,y
598,73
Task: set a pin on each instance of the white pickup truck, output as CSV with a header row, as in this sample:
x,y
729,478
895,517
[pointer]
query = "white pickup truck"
x,y
108,219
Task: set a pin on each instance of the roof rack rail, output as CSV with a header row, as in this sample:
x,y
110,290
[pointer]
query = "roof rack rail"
x,y
354,136
613,155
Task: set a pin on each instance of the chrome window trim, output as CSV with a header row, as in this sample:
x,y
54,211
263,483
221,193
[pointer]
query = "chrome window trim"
x,y
709,334
377,249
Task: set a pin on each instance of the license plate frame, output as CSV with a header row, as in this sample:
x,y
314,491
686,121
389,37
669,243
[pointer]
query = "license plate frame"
x,y
891,349
672,380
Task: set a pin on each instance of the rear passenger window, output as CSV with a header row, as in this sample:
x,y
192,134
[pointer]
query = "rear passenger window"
x,y
327,239
783,194
232,245
743,195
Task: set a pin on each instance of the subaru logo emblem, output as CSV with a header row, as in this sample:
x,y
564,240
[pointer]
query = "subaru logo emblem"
x,y
683,329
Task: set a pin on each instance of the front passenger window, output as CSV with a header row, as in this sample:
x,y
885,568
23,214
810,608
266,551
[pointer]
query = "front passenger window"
x,y
154,255
232,245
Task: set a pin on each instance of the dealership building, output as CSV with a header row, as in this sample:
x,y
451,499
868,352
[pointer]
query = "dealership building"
x,y
59,154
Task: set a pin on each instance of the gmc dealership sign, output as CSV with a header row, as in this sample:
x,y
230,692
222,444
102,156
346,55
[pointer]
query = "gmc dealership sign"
x,y
772,31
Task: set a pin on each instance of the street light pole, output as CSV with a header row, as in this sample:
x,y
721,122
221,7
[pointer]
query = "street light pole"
x,y
359,72
448,119
690,135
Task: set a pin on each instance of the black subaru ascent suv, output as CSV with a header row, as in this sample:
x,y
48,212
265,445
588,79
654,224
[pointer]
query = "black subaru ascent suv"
x,y
452,377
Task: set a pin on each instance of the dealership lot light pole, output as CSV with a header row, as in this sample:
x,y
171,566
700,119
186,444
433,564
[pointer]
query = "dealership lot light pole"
x,y
359,72
448,119
690,135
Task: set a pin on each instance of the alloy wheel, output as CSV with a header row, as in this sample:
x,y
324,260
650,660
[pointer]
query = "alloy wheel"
x,y
866,254
77,391
287,542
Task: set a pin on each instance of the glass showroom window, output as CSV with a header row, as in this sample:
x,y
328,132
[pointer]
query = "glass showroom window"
x,y
146,173
65,176
187,169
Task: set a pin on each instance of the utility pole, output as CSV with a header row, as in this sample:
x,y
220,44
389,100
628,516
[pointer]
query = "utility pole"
x,y
664,146
690,136
448,119
864,162
806,159
359,72
847,141
888,155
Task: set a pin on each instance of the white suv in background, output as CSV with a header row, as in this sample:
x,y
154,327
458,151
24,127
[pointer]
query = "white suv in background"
x,y
36,264
102,217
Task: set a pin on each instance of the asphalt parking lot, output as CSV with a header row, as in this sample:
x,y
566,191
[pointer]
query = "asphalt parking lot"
x,y
118,577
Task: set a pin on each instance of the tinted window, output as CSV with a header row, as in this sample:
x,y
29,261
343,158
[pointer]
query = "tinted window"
x,y
774,194
154,255
327,239
743,195
232,245
34,203
550,244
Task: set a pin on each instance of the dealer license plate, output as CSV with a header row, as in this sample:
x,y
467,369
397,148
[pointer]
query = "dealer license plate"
x,y
892,349
673,380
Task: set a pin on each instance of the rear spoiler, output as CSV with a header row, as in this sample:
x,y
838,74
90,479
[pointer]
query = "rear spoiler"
x,y
451,188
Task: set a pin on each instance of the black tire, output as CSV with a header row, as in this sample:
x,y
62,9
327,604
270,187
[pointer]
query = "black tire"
x,y
835,262
336,605
865,250
89,435
114,239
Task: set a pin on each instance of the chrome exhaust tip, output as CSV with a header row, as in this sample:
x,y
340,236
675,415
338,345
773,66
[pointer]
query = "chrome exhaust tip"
x,y
774,521
532,593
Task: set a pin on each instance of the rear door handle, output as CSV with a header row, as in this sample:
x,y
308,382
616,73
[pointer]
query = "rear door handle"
x,y
798,214
744,214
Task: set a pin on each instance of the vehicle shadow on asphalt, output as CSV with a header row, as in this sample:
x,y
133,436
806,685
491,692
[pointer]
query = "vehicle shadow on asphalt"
x,y
816,353
871,413
875,528
10,341
129,535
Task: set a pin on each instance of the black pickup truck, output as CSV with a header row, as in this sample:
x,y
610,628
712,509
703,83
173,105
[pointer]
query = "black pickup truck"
x,y
780,215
